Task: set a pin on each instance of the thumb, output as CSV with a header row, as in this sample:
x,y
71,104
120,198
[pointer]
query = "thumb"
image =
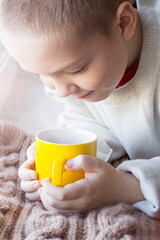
x,y
31,153
86,163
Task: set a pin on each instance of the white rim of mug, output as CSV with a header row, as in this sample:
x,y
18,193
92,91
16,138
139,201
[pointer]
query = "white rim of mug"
x,y
71,129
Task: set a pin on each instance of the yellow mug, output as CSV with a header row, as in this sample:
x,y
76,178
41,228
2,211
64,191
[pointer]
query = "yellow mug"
x,y
54,147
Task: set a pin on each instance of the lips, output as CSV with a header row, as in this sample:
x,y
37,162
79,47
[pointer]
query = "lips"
x,y
85,96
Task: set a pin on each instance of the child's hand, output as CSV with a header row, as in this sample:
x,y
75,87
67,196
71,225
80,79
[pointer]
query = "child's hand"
x,y
29,176
99,188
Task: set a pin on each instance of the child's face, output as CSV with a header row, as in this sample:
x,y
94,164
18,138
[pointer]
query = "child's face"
x,y
89,69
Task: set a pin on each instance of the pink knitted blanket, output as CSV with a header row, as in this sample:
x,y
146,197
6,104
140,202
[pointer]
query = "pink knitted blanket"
x,y
20,219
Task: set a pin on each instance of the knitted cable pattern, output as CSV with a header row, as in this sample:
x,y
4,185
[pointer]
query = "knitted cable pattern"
x,y
23,220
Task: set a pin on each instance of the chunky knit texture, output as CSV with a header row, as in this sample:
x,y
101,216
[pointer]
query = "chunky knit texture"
x,y
21,219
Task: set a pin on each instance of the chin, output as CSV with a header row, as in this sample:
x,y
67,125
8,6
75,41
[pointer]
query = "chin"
x,y
96,99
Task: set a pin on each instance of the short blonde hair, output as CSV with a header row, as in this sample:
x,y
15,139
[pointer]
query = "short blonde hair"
x,y
37,19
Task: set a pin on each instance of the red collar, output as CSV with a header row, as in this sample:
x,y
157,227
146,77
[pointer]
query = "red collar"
x,y
128,75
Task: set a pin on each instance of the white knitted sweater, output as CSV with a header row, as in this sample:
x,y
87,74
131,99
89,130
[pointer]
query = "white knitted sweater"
x,y
128,121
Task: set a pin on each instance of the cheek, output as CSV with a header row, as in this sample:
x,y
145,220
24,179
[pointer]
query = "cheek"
x,y
98,78
105,73
104,77
47,82
113,71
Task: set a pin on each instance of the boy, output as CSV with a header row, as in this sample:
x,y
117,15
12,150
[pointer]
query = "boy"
x,y
88,53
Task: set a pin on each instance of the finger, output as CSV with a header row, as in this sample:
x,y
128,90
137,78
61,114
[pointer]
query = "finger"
x,y
50,202
31,153
29,163
86,163
52,190
67,206
78,189
25,172
33,196
30,186
47,202
70,192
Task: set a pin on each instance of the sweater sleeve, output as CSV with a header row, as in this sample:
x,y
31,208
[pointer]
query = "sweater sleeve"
x,y
148,173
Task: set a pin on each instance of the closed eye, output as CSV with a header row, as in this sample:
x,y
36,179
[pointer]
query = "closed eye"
x,y
79,71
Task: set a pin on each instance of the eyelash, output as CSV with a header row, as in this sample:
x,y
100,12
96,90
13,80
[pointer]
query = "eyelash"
x,y
79,71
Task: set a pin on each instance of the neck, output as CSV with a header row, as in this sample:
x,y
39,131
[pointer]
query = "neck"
x,y
135,45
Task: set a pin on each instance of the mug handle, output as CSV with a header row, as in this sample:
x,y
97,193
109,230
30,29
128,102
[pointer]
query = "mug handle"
x,y
57,172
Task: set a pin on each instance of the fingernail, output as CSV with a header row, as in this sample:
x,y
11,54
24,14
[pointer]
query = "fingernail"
x,y
68,185
44,180
69,163
47,179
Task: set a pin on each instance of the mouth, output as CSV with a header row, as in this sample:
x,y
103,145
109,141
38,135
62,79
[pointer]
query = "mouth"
x,y
86,95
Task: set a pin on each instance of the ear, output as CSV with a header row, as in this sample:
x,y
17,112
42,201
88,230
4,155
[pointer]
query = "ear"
x,y
127,20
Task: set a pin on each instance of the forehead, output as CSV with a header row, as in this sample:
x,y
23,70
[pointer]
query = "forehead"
x,y
30,55
42,56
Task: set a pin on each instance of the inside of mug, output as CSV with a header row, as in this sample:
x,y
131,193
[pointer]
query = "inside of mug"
x,y
66,136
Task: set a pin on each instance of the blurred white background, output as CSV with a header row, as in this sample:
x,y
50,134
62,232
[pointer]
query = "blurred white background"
x,y
22,98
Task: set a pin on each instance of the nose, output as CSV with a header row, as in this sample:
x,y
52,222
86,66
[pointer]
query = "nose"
x,y
63,88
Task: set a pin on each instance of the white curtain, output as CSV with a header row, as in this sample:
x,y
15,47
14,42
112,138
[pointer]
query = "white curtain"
x,y
22,98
